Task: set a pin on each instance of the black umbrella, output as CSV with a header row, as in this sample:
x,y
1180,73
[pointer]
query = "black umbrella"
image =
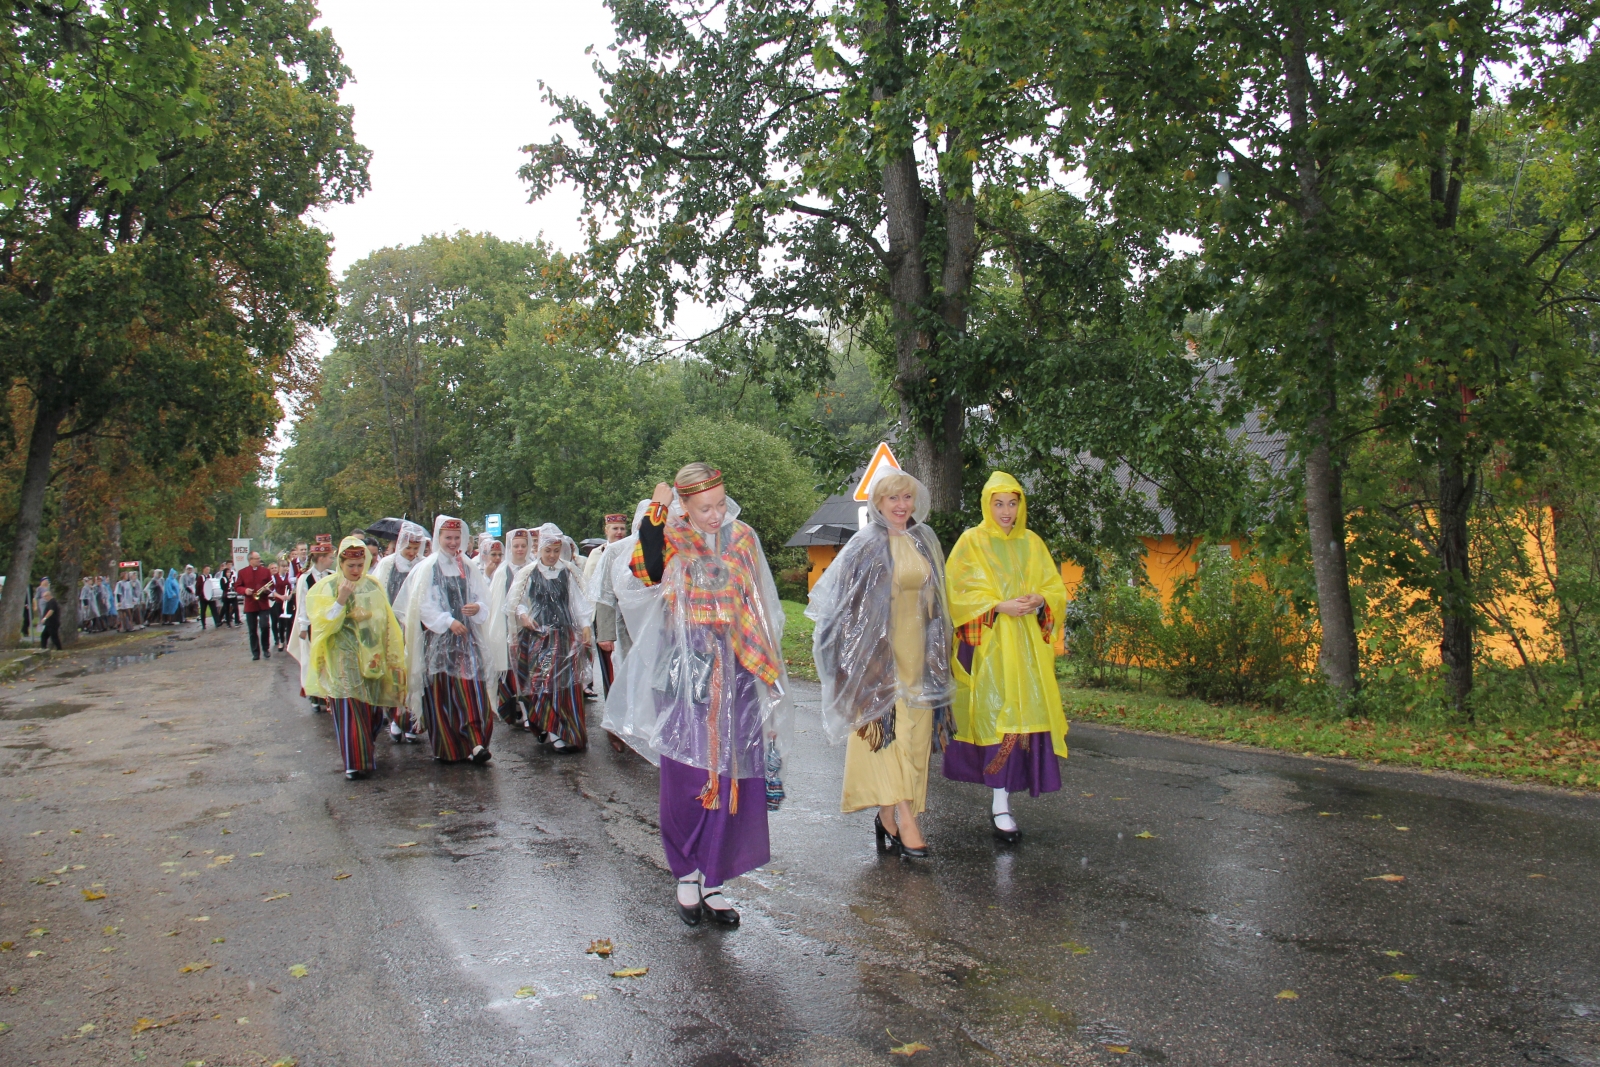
x,y
388,529
589,544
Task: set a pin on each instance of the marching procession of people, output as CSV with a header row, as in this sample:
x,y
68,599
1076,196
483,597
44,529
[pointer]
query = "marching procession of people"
x,y
674,624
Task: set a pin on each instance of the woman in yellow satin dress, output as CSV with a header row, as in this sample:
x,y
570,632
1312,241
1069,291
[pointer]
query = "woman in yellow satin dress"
x,y
882,647
1006,600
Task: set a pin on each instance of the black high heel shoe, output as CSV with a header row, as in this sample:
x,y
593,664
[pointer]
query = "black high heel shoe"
x,y
907,852
1009,837
693,915
880,833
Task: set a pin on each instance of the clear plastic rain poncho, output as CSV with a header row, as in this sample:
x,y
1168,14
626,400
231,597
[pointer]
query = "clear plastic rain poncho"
x,y
852,604
1011,688
496,632
154,589
190,581
614,570
357,649
550,602
392,569
439,587
705,680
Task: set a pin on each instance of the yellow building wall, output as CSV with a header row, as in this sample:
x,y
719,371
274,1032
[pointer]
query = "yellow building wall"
x,y
820,556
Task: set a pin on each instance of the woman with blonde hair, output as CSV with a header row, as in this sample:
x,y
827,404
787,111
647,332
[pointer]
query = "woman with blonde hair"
x,y
706,684
882,648
1006,600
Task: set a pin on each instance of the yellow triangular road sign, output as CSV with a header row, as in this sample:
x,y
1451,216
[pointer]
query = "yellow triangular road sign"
x,y
883,457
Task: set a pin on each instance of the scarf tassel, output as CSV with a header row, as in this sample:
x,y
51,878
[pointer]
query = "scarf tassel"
x,y
710,794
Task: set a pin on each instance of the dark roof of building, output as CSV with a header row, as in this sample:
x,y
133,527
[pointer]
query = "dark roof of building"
x,y
834,522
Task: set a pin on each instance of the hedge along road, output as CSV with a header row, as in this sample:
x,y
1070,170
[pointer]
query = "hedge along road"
x,y
188,877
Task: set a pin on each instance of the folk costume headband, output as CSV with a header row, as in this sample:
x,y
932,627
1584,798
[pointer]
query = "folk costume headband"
x,y
618,517
699,487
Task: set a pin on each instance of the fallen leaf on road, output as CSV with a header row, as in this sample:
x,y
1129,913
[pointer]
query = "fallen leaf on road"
x,y
193,968
525,992
631,972
201,919
1538,876
447,811
275,896
406,844
74,831
90,894
7,946
1146,835
298,971
218,940
35,954
1120,1050
86,1028
1402,828
600,947
4,1027
1392,953
36,833
218,861
910,1049
1385,878
341,876
253,855
61,870
134,771
1325,814
1400,976
38,931
1372,816
589,996
223,814
1075,948
109,931
1287,994
425,826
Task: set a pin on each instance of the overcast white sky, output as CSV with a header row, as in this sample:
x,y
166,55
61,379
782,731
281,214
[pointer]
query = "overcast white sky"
x,y
445,94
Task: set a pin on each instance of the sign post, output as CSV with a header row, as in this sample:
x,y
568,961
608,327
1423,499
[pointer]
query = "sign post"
x,y
297,513
491,525
241,553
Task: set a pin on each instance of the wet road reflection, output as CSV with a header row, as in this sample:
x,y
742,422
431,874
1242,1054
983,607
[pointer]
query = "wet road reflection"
x,y
1175,903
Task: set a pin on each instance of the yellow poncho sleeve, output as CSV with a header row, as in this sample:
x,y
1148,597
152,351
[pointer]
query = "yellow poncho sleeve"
x,y
1012,687
361,652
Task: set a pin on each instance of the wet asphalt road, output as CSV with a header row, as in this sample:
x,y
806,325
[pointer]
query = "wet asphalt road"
x,y
1253,925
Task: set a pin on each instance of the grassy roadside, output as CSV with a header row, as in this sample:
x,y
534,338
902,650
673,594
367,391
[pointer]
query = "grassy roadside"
x,y
797,642
1566,757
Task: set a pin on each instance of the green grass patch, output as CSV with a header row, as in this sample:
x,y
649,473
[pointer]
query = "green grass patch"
x,y
797,641
1556,756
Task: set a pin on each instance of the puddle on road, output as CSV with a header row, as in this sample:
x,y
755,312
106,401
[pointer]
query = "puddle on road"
x,y
105,664
54,710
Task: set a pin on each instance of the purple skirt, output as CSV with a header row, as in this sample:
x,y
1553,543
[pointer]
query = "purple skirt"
x,y
718,844
1034,768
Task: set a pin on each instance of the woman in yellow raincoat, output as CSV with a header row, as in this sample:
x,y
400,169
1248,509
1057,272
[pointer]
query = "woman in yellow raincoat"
x,y
1006,602
358,661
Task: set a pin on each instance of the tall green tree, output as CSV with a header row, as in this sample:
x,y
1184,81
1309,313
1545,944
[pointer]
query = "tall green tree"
x,y
1321,157
171,305
802,166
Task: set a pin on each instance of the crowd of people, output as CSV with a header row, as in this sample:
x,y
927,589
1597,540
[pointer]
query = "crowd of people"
x,y
676,625
674,622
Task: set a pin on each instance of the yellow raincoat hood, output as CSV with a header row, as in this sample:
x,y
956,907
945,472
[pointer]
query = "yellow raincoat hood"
x,y
360,652
1012,687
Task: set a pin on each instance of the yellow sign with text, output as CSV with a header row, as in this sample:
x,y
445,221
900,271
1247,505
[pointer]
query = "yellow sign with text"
x,y
297,513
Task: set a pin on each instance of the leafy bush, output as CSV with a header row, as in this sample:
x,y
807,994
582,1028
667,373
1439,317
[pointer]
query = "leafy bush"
x,y
1114,629
1230,637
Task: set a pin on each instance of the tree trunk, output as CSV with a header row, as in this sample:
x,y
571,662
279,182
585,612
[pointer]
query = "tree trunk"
x,y
1339,657
1456,488
30,518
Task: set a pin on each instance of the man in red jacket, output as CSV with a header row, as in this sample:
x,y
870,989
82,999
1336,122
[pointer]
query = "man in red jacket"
x,y
253,584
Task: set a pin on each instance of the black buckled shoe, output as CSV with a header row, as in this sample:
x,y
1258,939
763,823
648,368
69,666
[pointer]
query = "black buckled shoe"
x,y
1009,837
480,756
691,914
725,916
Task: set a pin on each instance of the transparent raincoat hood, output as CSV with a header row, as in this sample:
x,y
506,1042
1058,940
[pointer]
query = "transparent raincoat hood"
x,y
851,604
361,653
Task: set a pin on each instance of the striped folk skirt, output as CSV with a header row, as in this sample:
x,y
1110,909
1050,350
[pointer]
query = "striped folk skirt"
x,y
456,714
546,668
355,723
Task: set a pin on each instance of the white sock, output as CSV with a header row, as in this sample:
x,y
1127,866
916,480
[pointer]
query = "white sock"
x,y
1002,811
689,890
715,900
